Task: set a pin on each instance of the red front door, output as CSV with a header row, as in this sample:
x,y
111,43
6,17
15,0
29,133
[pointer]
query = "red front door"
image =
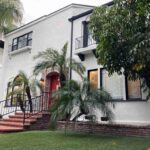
x,y
54,85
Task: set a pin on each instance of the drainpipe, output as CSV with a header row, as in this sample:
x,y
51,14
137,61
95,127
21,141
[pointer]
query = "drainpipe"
x,y
71,47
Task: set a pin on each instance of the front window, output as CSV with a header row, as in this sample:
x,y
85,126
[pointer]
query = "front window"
x,y
22,41
134,89
112,84
93,78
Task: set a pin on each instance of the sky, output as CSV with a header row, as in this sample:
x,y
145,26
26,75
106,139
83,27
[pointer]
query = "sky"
x,y
34,9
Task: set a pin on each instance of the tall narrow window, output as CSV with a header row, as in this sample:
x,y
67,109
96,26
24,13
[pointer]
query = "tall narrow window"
x,y
93,78
85,33
15,44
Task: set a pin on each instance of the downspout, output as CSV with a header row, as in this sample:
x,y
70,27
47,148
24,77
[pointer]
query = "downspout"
x,y
71,47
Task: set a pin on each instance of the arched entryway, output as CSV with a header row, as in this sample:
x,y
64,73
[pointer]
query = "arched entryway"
x,y
52,84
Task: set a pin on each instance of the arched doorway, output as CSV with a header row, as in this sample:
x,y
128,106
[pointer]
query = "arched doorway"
x,y
52,84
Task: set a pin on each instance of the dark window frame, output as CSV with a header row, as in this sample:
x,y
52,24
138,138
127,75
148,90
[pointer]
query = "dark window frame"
x,y
127,92
85,33
88,72
16,45
126,89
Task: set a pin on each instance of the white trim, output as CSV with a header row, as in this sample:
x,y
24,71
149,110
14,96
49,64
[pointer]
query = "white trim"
x,y
24,49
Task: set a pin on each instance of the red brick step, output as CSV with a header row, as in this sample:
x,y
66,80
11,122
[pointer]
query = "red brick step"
x,y
15,122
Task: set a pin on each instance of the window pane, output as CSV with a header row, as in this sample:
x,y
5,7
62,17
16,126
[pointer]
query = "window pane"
x,y
22,41
14,41
30,36
112,84
29,42
93,77
134,89
14,47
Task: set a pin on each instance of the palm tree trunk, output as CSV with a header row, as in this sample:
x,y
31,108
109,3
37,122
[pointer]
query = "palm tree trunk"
x,y
77,116
29,98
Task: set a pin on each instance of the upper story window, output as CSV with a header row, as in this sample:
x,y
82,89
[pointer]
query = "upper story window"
x,y
22,41
86,39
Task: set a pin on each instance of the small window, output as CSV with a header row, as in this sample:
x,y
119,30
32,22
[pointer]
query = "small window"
x,y
22,41
134,89
93,78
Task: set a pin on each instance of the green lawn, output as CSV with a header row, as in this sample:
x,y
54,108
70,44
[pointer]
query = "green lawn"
x,y
47,140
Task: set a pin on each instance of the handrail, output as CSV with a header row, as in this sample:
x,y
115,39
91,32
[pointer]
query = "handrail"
x,y
39,104
5,109
79,41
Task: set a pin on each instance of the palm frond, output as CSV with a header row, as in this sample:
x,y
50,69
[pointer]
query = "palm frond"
x,y
35,86
83,98
22,75
11,11
51,58
15,92
48,54
40,66
64,50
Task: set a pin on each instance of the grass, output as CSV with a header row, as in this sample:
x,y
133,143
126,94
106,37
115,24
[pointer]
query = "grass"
x,y
47,140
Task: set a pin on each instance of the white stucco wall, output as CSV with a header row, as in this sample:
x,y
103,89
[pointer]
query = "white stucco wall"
x,y
126,112
1,56
52,31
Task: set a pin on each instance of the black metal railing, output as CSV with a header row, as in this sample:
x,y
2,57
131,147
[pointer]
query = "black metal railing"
x,y
81,42
7,107
39,104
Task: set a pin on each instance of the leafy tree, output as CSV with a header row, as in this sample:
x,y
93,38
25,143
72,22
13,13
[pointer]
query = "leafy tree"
x,y
11,13
24,86
122,32
74,100
53,59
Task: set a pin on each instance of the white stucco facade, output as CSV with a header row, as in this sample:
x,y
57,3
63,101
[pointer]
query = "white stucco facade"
x,y
126,111
53,31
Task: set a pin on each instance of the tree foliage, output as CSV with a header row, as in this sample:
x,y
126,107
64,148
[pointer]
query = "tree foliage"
x,y
74,100
57,60
11,13
23,86
122,32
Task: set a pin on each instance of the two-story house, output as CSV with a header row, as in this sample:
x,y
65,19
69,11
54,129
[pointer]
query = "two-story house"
x,y
70,24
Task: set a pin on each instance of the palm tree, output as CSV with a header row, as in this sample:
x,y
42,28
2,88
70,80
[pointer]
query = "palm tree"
x,y
74,100
11,13
24,86
53,59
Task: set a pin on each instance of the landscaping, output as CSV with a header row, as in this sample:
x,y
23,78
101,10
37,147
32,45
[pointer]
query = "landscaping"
x,y
47,140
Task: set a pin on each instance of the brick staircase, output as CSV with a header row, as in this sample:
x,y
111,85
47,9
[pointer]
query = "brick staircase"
x,y
14,123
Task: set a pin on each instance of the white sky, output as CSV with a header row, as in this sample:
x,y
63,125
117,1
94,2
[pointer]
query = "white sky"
x,y
34,9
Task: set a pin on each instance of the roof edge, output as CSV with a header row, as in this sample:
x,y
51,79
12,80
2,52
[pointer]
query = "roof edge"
x,y
88,12
46,16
